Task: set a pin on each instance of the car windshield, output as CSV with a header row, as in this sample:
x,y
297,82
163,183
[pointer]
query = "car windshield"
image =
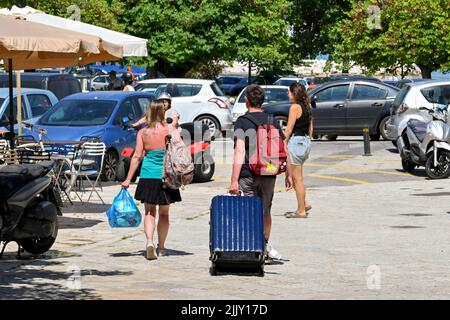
x,y
286,82
272,95
1,101
74,113
400,97
216,89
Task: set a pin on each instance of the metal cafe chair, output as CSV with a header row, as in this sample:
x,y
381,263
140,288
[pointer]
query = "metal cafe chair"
x,y
88,165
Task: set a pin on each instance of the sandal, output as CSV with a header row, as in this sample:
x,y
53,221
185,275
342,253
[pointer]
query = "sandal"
x,y
296,215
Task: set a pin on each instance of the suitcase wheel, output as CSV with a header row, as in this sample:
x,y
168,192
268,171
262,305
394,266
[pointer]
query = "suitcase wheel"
x,y
261,272
212,270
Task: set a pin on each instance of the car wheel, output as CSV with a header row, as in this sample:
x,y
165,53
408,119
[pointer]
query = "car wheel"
x,y
204,171
382,128
212,124
282,121
331,137
110,165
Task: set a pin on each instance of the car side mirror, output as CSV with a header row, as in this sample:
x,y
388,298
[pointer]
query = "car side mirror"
x,y
126,122
232,100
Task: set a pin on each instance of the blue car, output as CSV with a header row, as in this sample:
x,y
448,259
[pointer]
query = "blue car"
x,y
104,115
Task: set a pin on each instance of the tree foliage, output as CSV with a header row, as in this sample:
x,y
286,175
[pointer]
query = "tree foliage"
x,y
312,26
409,32
186,33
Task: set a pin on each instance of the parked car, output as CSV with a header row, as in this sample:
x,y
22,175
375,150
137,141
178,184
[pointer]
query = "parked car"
x,y
226,83
103,115
401,83
273,94
287,81
61,85
345,108
412,97
243,83
196,100
100,82
35,102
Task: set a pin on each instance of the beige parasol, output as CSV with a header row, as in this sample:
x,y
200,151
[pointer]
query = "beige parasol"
x,y
33,45
29,45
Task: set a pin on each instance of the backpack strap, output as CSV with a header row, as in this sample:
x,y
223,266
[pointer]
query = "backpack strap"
x,y
256,122
251,119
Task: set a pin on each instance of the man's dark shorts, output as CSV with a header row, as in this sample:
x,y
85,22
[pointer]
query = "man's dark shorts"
x,y
263,187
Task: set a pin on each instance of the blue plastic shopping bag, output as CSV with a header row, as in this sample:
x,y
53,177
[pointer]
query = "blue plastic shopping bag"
x,y
124,213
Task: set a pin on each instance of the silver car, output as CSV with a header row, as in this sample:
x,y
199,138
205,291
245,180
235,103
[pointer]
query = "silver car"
x,y
195,100
412,96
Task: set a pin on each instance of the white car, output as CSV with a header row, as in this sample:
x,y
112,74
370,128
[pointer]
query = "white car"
x,y
100,82
273,94
412,97
287,81
195,100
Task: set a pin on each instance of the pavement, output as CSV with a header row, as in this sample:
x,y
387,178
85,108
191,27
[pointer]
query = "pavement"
x,y
375,232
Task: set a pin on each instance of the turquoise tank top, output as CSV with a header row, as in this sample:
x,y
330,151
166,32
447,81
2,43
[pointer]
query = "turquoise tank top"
x,y
152,165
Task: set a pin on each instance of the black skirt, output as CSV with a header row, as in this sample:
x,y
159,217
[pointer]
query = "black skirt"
x,y
152,191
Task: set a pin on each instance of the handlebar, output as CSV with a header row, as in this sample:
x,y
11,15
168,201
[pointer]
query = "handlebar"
x,y
33,127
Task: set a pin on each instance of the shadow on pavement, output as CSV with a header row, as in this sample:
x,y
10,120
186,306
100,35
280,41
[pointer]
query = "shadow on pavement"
x,y
85,207
392,150
11,256
76,223
416,173
25,283
169,252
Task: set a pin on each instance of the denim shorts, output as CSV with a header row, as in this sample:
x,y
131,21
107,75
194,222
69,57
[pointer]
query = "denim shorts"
x,y
299,148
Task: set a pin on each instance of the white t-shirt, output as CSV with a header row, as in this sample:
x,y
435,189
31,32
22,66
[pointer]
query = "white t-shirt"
x,y
128,88
172,113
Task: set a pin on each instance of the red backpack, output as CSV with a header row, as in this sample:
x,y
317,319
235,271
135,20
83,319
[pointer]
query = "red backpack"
x,y
270,156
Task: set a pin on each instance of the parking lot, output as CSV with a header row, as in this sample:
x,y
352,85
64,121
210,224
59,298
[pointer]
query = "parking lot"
x,y
374,232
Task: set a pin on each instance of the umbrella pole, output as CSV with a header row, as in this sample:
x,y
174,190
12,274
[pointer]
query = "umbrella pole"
x,y
11,105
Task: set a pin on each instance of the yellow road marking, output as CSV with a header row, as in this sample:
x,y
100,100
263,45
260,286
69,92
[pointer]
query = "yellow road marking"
x,y
353,157
356,169
320,176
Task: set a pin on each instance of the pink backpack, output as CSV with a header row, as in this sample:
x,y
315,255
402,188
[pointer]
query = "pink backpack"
x,y
270,156
178,165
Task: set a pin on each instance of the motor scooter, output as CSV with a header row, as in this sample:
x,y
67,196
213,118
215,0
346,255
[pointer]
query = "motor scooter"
x,y
427,144
28,207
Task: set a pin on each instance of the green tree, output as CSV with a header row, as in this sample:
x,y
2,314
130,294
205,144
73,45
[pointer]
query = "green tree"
x,y
184,34
389,33
312,26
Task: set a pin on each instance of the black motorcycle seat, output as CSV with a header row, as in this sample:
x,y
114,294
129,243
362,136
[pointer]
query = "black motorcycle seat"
x,y
419,128
14,176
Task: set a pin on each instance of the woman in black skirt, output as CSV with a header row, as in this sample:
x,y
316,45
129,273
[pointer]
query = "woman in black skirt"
x,y
150,144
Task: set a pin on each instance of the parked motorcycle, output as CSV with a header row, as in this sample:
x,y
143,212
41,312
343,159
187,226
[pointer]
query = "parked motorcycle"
x,y
198,139
28,207
427,144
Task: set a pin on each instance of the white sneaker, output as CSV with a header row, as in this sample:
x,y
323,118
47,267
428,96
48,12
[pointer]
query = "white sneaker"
x,y
151,252
272,253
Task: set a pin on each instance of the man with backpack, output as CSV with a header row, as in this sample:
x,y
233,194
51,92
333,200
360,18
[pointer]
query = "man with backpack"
x,y
259,156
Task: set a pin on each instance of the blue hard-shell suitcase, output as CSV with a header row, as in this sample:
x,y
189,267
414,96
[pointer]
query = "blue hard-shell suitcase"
x,y
237,233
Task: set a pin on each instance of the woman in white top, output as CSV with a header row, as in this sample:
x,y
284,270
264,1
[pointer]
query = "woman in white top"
x,y
128,80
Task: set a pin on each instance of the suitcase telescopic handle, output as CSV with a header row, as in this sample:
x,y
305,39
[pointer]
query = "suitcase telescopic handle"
x,y
241,194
